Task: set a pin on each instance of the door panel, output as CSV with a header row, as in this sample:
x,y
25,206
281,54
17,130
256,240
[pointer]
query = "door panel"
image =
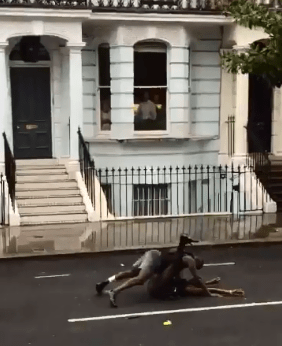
x,y
31,108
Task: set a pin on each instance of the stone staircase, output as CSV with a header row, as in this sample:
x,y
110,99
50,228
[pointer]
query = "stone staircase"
x,y
46,195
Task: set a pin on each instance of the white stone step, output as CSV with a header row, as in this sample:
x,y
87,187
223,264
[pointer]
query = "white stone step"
x,y
42,178
36,162
48,193
41,171
56,201
56,218
55,209
38,186
39,168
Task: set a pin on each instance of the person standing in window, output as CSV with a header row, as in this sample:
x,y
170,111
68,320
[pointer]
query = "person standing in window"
x,y
106,116
147,109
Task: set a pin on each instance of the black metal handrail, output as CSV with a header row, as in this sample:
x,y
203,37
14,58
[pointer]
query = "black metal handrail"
x,y
87,167
10,170
258,160
2,200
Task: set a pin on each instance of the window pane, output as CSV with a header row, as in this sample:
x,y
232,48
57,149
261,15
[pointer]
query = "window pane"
x,y
150,109
154,199
105,109
104,66
150,69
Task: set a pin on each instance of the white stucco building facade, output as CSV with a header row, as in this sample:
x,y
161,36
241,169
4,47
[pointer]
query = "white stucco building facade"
x,y
145,87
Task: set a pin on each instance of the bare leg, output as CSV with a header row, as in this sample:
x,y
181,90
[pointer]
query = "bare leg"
x,y
193,291
228,293
126,275
135,280
118,277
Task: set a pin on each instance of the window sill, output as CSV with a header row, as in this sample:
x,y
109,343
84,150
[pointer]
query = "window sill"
x,y
147,138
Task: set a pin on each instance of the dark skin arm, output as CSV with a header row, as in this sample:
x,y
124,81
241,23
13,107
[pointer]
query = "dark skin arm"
x,y
191,266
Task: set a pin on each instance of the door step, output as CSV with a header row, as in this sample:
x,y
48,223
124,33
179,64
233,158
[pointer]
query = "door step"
x,y
38,162
53,219
51,209
51,201
40,186
68,192
42,178
42,171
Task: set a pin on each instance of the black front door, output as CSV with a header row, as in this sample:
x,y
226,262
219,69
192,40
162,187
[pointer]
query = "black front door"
x,y
260,114
31,108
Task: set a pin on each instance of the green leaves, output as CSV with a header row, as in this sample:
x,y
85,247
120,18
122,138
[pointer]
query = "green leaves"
x,y
263,57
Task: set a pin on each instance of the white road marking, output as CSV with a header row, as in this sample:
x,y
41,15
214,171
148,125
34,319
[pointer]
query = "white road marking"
x,y
219,264
50,276
152,313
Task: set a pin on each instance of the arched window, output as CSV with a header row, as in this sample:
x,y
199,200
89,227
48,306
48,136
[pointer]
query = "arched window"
x,y
150,86
104,86
29,49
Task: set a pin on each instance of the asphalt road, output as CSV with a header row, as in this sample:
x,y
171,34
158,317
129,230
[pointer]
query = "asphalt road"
x,y
35,311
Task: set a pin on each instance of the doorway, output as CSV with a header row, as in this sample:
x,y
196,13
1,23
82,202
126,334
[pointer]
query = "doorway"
x,y
260,115
31,109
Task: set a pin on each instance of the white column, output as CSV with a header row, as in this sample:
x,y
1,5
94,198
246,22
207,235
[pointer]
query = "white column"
x,y
241,113
122,88
178,86
226,109
75,97
3,100
65,103
241,117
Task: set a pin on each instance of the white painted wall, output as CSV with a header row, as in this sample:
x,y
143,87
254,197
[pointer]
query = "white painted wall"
x,y
89,74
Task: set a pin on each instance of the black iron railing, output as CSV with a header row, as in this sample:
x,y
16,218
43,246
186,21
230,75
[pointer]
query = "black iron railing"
x,y
10,171
3,204
155,191
87,168
258,160
231,135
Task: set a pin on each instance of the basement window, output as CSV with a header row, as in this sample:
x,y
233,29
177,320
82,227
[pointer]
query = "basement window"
x,y
150,199
150,86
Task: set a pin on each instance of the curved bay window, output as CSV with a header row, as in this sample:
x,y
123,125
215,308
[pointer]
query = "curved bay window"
x,y
104,87
150,86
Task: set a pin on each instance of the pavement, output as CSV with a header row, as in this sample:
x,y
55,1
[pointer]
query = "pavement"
x,y
40,295
137,234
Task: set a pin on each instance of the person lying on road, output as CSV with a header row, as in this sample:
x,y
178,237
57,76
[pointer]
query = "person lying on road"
x,y
161,287
153,261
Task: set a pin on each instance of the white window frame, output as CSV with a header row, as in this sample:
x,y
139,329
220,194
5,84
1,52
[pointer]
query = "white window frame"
x,y
155,133
139,202
101,133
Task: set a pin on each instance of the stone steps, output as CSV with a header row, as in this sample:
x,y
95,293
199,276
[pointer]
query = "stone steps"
x,y
54,219
49,201
46,195
40,186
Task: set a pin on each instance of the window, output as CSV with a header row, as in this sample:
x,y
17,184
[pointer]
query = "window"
x,y
150,86
150,199
105,87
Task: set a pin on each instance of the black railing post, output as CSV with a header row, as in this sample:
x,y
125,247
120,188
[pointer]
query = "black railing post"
x,y
10,171
87,168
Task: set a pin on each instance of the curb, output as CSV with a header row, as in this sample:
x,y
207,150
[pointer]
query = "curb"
x,y
141,249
